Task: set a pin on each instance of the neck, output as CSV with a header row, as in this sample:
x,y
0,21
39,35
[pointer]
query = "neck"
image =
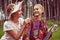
x,y
37,18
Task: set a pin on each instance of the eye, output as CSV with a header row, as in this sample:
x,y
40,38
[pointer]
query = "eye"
x,y
36,8
33,9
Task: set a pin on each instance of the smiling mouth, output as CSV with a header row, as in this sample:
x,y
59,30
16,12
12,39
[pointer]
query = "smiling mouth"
x,y
36,15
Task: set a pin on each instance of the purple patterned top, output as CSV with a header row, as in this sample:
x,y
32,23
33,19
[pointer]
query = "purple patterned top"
x,y
36,25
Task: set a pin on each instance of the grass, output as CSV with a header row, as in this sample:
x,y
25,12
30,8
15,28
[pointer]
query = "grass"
x,y
1,30
55,35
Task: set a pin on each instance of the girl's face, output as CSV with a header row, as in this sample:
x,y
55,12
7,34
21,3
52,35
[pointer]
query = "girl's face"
x,y
19,13
37,11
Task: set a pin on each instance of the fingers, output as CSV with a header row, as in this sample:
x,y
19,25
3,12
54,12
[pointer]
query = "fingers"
x,y
27,20
52,30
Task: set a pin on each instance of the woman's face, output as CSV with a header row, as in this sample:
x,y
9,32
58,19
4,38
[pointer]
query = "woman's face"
x,y
37,11
19,13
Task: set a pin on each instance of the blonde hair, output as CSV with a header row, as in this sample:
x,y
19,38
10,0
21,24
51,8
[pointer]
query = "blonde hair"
x,y
39,6
42,8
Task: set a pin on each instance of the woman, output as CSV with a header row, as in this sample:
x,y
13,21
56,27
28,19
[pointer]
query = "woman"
x,y
37,27
11,27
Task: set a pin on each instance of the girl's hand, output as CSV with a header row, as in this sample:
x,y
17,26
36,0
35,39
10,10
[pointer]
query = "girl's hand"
x,y
27,20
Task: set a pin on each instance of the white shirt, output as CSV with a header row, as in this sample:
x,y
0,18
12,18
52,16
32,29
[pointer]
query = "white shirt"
x,y
9,25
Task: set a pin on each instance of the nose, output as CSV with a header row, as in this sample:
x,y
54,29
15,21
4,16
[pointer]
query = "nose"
x,y
21,12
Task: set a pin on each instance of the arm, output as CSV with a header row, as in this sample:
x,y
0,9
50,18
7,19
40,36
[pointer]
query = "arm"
x,y
16,35
26,32
43,29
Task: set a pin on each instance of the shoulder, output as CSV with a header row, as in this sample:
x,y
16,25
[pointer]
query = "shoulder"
x,y
8,23
43,20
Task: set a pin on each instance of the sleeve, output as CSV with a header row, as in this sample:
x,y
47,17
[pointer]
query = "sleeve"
x,y
26,32
27,29
45,28
45,25
8,26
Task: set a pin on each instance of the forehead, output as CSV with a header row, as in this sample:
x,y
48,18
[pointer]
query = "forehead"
x,y
39,6
36,7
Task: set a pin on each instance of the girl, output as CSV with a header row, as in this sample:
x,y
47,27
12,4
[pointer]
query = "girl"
x,y
11,27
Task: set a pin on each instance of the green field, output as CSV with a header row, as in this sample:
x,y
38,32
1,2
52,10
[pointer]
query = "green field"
x,y
55,35
1,30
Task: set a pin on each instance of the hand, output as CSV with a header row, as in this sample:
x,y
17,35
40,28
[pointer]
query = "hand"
x,y
27,20
52,30
54,27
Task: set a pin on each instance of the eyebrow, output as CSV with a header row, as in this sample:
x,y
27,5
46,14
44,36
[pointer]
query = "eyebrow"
x,y
36,8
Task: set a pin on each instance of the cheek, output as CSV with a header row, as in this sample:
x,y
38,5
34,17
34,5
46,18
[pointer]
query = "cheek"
x,y
16,15
19,12
20,15
34,11
40,11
